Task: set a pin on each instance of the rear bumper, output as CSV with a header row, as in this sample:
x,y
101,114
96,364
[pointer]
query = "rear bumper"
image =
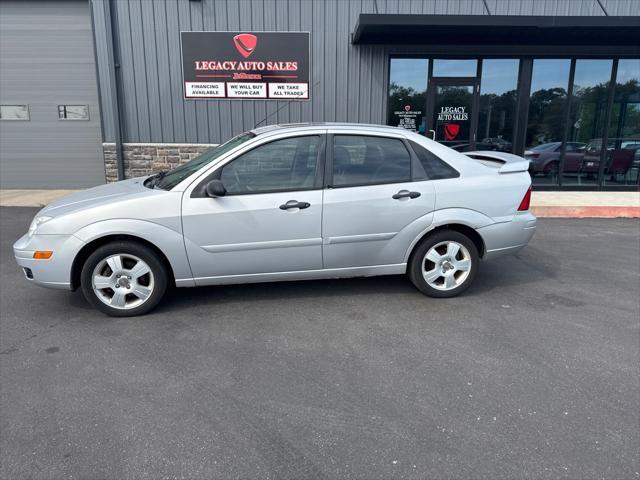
x,y
54,272
508,237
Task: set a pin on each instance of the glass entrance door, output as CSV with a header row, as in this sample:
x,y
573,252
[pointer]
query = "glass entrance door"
x,y
451,107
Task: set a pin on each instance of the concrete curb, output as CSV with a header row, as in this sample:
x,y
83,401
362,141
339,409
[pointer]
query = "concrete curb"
x,y
31,198
585,212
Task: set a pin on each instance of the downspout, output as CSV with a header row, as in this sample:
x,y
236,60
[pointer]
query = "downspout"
x,y
114,65
97,70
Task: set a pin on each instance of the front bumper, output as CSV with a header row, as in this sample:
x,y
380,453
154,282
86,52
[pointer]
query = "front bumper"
x,y
54,272
508,237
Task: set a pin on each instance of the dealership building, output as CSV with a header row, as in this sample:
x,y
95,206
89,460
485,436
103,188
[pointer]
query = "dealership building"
x,y
101,90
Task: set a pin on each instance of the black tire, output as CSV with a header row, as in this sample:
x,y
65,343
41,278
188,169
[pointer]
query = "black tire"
x,y
418,260
158,270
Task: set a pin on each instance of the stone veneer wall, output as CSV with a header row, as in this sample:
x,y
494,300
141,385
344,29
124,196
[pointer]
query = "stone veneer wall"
x,y
144,158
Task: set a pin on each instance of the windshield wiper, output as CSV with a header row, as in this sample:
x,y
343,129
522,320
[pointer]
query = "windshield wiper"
x,y
154,179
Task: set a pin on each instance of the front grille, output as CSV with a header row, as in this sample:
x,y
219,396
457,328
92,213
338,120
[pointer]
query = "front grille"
x,y
28,273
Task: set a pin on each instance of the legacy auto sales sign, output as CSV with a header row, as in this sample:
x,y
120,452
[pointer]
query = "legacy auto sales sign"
x,y
237,65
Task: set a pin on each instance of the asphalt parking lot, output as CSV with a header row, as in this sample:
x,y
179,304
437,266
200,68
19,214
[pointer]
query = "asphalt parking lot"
x,y
533,373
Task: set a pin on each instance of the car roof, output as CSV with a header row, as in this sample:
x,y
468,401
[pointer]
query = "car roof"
x,y
329,125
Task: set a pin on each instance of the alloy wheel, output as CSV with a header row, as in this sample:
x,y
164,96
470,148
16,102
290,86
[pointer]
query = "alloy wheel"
x,y
446,265
122,281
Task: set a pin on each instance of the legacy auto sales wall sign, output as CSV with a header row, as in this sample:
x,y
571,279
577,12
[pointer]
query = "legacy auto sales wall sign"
x,y
241,65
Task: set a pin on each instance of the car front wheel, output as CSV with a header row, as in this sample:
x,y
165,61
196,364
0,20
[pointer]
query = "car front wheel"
x,y
444,264
124,279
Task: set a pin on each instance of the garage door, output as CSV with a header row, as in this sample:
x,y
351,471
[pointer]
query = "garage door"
x,y
49,119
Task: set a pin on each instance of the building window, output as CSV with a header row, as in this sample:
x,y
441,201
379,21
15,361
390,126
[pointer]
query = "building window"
x,y
452,114
498,99
584,134
73,112
547,112
14,112
587,112
455,68
623,145
407,93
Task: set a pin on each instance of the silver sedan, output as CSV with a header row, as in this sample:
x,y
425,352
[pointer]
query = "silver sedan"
x,y
289,202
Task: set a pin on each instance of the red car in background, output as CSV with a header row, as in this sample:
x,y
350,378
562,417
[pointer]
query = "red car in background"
x,y
623,155
545,158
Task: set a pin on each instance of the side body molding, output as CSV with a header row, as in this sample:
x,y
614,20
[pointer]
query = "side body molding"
x,y
170,242
447,216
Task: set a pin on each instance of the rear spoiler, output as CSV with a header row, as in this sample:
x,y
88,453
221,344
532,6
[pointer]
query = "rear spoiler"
x,y
510,163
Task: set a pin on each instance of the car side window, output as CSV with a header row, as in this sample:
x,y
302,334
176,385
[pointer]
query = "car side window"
x,y
434,167
278,166
369,160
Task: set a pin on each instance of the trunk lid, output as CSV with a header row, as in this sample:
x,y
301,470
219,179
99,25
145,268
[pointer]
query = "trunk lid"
x,y
505,162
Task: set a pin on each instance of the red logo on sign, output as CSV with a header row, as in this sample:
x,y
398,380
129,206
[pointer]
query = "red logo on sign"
x,y
451,130
407,107
245,43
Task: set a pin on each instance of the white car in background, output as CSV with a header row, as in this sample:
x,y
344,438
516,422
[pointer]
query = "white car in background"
x,y
286,202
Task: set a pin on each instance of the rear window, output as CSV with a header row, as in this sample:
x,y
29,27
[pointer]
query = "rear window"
x,y
434,167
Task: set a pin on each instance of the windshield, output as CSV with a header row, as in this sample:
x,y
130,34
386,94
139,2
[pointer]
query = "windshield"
x,y
544,147
170,179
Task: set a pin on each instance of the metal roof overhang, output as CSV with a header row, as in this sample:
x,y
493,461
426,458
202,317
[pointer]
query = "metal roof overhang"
x,y
498,33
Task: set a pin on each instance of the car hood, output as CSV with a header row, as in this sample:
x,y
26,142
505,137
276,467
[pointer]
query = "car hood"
x,y
128,199
96,196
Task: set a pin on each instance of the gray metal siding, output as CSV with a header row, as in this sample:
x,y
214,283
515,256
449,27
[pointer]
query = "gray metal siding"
x,y
47,59
347,81
622,7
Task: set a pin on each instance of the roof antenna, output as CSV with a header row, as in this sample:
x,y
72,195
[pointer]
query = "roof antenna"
x,y
286,104
603,9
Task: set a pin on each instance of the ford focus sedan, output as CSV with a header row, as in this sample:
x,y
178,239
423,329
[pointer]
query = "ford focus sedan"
x,y
287,202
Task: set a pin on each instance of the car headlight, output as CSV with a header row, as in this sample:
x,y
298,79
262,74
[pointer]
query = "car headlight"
x,y
36,222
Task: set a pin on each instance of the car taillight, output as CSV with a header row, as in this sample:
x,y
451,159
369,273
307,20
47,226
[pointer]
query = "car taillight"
x,y
524,204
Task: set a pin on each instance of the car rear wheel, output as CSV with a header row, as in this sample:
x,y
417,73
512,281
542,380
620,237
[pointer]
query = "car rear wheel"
x,y
444,264
124,279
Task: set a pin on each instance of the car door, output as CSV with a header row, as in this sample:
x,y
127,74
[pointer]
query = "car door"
x,y
573,158
373,206
268,221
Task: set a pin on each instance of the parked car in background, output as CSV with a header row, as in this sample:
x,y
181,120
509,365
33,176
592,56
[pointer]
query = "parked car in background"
x,y
497,144
545,158
488,144
461,147
288,202
584,159
623,156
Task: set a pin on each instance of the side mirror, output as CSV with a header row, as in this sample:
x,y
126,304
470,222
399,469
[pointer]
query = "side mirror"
x,y
215,188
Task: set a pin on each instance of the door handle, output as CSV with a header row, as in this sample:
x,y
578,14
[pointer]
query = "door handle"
x,y
294,204
405,194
